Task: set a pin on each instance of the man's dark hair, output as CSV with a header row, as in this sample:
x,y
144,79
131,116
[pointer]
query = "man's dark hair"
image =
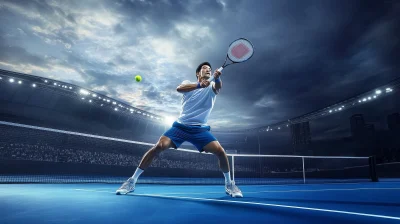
x,y
201,65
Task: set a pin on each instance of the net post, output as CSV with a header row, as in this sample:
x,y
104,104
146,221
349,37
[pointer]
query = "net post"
x,y
372,169
304,171
233,168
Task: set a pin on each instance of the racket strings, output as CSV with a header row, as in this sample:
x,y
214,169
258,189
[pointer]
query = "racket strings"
x,y
240,50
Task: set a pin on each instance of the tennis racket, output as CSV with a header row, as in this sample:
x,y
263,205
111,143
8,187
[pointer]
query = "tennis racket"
x,y
239,51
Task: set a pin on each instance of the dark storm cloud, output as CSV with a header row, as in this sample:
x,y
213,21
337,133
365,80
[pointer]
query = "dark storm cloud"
x,y
100,78
308,54
161,15
17,55
118,29
314,65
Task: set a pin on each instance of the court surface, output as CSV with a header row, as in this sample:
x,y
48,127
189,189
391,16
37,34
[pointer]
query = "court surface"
x,y
371,202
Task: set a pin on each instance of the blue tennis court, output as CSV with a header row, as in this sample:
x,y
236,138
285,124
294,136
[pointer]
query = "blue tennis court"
x,y
369,202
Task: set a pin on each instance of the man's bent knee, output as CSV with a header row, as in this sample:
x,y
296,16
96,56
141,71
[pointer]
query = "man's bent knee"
x,y
163,144
220,151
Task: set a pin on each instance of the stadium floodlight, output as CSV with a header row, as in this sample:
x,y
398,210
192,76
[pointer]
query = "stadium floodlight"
x,y
369,98
84,92
374,96
83,98
108,101
99,98
70,87
359,101
388,90
45,81
378,91
340,108
55,83
116,109
131,110
94,95
19,82
330,111
90,101
114,103
33,85
11,80
364,100
169,120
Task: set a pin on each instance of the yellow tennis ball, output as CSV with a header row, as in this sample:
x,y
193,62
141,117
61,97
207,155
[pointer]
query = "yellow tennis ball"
x,y
138,78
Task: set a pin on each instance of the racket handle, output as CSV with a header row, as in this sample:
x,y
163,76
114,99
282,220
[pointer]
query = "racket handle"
x,y
212,77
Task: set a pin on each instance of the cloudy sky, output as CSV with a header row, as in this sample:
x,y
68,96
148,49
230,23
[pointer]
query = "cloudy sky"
x,y
308,54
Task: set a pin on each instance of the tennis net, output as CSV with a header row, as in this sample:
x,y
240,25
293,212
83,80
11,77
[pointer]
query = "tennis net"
x,y
32,154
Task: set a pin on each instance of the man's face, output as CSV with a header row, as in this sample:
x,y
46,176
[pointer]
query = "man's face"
x,y
205,72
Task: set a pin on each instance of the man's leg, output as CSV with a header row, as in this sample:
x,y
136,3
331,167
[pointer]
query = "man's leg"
x,y
215,148
162,144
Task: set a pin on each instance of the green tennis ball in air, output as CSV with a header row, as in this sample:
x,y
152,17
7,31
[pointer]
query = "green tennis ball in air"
x,y
138,78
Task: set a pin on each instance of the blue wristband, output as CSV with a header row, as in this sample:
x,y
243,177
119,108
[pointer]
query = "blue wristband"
x,y
198,85
217,80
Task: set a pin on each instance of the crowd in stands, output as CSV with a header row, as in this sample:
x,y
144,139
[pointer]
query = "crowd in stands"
x,y
48,153
36,145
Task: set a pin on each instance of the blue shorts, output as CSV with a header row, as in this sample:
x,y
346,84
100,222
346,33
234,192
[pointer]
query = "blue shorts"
x,y
197,135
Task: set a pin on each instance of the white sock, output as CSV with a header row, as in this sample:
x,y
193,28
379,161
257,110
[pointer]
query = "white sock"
x,y
227,177
137,174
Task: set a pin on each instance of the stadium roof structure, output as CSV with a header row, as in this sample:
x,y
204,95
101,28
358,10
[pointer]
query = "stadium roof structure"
x,y
78,92
113,104
354,101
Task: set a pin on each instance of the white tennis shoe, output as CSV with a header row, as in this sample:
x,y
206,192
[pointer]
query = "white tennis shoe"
x,y
233,190
127,187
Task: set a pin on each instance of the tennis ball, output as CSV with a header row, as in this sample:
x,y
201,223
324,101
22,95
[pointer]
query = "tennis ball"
x,y
138,78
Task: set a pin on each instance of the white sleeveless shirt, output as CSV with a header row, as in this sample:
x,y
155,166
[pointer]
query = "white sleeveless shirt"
x,y
197,105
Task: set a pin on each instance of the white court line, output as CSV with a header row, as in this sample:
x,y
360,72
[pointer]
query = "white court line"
x,y
257,203
288,191
257,192
343,189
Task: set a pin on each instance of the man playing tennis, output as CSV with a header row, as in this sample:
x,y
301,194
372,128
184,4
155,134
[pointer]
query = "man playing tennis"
x,y
197,103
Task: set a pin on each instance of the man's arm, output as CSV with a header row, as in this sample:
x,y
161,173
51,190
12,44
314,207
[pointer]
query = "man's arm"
x,y
182,88
218,83
187,87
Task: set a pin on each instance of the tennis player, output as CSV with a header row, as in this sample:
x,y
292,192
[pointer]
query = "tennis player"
x,y
197,103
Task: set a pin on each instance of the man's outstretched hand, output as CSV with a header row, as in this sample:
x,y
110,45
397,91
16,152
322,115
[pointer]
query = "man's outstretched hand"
x,y
204,83
217,74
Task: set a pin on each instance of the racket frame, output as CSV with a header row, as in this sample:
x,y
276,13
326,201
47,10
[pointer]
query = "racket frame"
x,y
233,62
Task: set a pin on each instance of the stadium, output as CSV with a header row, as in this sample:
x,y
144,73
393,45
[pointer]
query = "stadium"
x,y
55,132
304,129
